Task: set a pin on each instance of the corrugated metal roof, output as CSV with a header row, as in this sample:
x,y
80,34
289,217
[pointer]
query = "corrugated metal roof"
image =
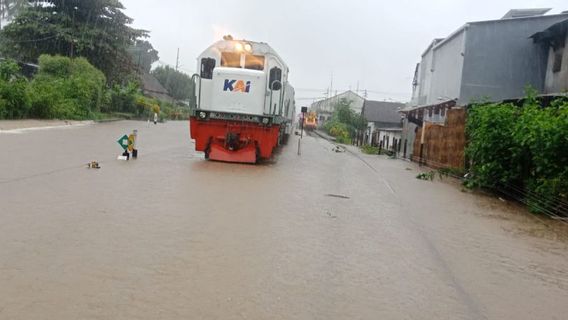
x,y
522,13
382,111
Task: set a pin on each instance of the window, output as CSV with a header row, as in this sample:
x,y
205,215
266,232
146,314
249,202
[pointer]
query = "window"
x,y
207,66
231,60
275,79
253,62
557,66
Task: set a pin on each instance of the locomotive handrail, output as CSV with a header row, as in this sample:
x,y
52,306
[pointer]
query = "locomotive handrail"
x,y
282,99
197,101
271,93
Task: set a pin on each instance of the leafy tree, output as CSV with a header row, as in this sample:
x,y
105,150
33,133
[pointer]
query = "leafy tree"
x,y
9,8
177,83
345,122
144,55
96,29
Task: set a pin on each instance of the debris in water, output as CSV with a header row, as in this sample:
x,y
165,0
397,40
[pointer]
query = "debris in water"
x,y
93,165
426,176
338,149
337,196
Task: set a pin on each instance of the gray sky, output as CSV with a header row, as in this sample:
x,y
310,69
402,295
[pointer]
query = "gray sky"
x,y
375,43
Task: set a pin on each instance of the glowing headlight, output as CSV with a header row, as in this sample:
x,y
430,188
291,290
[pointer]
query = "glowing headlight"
x,y
239,46
248,47
202,115
265,120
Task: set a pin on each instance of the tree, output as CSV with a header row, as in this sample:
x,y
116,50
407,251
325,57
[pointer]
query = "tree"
x,y
144,55
9,8
96,29
177,83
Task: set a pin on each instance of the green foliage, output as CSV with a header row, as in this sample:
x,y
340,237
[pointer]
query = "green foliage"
x,y
368,149
14,100
9,8
344,122
96,29
66,89
143,55
427,176
525,148
177,83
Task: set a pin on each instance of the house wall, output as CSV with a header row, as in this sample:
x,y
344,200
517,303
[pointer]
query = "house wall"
x,y
408,137
388,138
501,59
557,82
327,105
447,64
425,79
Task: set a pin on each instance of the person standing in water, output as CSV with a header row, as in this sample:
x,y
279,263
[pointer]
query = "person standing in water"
x,y
155,118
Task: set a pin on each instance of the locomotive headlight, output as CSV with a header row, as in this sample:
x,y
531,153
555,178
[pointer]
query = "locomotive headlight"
x,y
265,120
202,115
248,47
239,46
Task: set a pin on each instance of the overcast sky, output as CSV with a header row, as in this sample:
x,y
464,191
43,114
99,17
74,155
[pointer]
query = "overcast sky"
x,y
374,43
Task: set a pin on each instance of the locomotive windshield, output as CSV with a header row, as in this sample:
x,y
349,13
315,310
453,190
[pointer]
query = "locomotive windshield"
x,y
233,60
253,62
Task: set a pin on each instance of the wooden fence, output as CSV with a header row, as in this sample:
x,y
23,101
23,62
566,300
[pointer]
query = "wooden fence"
x,y
444,145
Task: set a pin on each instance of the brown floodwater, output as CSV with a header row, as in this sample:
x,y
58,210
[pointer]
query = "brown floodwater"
x,y
324,235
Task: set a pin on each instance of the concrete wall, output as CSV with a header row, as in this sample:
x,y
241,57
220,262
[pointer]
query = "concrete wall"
x,y
425,79
557,82
408,135
388,138
447,64
328,105
501,59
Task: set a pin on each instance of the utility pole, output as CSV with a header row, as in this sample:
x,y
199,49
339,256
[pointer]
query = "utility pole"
x,y
331,87
177,61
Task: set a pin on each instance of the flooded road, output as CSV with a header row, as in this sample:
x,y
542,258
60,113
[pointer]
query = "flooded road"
x,y
322,236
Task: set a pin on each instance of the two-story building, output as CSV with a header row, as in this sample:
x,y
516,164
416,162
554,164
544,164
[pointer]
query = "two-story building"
x,y
490,60
325,108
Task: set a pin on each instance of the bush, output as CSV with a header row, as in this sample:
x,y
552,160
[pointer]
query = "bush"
x,y
66,88
368,149
521,151
14,100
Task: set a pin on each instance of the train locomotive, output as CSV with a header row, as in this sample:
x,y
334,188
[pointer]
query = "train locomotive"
x,y
311,121
244,104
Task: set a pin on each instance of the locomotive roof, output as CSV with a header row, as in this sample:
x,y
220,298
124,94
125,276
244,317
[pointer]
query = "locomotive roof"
x,y
258,48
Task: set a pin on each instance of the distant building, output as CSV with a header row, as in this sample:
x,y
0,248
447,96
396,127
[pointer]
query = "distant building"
x,y
554,40
151,87
324,108
383,120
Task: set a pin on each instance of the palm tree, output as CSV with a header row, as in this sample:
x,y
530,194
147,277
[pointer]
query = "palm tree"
x,y
9,8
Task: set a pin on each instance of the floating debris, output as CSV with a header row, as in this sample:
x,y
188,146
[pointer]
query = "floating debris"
x,y
337,196
93,165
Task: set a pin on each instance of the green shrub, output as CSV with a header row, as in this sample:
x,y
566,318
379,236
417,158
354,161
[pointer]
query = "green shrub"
x,y
14,99
66,88
521,151
368,149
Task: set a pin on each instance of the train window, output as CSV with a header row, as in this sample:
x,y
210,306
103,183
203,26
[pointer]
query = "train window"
x,y
254,62
207,66
275,79
231,60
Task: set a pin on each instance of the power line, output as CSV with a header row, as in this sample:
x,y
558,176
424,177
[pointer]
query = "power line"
x,y
31,40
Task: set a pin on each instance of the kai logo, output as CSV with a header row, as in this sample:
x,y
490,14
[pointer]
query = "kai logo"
x,y
237,86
